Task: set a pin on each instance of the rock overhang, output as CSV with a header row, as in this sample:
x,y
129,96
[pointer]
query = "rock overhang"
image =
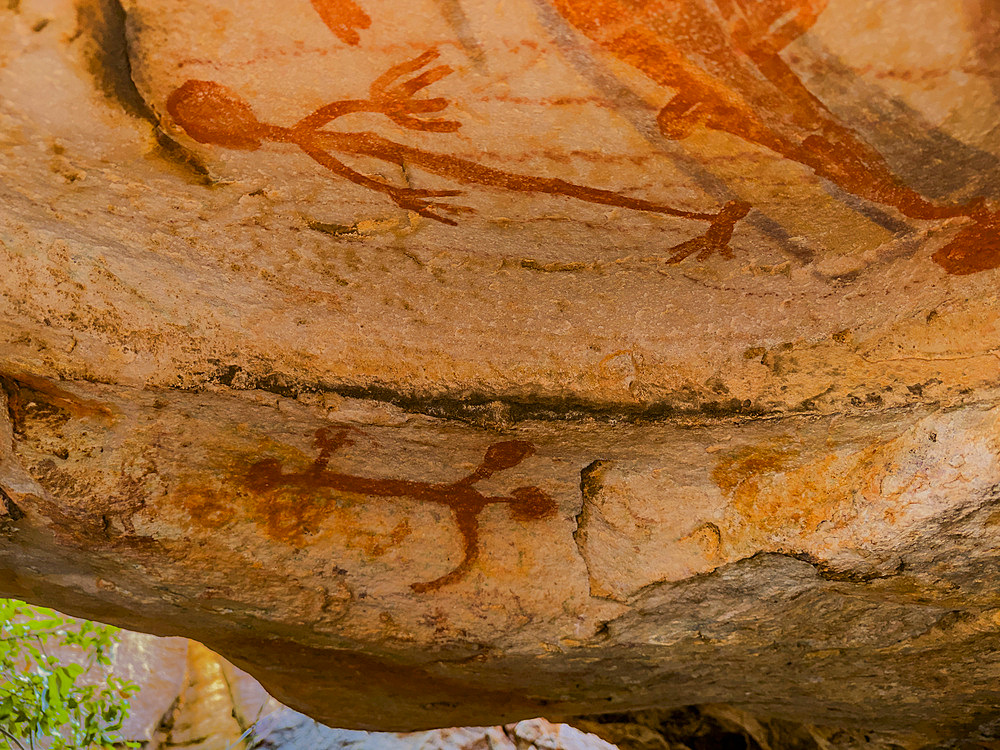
x,y
248,398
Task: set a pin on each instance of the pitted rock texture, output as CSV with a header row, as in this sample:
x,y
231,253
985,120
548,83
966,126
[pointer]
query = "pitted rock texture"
x,y
159,260
695,404
151,508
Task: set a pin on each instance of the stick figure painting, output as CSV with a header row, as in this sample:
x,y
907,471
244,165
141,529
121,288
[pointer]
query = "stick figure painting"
x,y
212,114
604,77
465,502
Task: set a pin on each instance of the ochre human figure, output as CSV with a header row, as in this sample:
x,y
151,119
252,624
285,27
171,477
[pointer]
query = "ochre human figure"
x,y
722,58
461,497
213,114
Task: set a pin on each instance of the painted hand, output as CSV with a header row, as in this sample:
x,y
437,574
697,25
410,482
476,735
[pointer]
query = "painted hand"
x,y
394,97
421,202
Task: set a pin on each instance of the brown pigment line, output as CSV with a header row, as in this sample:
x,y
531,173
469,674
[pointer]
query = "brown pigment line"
x,y
465,502
470,172
468,526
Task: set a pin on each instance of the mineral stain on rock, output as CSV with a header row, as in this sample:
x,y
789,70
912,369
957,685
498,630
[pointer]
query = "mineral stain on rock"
x,y
25,392
748,464
9,510
102,37
775,492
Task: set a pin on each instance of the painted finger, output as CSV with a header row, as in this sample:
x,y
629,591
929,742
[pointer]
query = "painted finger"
x,y
429,214
425,105
401,69
425,79
685,249
431,126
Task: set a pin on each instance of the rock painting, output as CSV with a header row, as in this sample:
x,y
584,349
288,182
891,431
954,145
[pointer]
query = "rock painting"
x,y
213,114
343,18
723,60
461,497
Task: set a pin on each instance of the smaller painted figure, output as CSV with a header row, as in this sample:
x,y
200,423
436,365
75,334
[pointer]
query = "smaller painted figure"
x,y
461,497
213,114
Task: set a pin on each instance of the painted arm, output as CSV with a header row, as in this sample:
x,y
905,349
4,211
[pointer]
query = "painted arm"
x,y
409,198
394,98
807,13
331,112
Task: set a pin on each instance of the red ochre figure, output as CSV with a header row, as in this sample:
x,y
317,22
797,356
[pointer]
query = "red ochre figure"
x,y
343,18
461,497
213,114
722,58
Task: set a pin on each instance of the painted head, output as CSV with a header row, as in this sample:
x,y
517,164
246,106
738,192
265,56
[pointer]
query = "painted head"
x,y
211,113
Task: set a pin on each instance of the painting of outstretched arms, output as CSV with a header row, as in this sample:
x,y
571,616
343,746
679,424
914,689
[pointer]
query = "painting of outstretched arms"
x,y
213,114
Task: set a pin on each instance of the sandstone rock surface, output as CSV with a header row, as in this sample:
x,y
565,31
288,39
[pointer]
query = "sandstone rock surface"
x,y
192,698
453,362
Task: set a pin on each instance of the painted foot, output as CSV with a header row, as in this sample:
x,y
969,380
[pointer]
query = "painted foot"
x,y
716,238
975,248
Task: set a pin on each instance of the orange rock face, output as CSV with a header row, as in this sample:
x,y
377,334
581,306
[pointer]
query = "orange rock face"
x,y
454,362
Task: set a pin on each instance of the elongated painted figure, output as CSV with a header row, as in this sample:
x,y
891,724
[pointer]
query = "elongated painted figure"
x,y
722,58
213,114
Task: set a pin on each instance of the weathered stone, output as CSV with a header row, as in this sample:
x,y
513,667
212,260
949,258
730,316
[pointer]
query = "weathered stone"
x,y
698,406
157,665
720,726
220,513
204,702
189,697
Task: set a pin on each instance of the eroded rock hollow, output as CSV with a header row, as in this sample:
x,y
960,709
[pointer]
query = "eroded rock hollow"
x,y
451,362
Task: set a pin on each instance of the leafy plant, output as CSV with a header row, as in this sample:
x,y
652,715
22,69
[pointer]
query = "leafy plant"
x,y
46,703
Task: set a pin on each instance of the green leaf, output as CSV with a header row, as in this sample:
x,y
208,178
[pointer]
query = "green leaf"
x,y
39,695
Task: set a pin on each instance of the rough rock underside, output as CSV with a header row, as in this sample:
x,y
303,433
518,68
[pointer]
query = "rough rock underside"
x,y
192,698
454,362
